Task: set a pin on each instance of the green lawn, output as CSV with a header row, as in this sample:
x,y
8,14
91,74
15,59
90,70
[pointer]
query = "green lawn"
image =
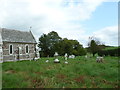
x,y
79,73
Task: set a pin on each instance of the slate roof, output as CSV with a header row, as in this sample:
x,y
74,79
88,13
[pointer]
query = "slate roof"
x,y
9,35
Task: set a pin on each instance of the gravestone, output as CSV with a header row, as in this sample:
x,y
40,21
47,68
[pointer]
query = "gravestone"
x,y
37,54
47,61
66,62
99,59
56,58
66,56
72,56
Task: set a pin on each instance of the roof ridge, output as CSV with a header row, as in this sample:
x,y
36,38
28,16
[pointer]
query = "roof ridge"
x,y
14,30
32,35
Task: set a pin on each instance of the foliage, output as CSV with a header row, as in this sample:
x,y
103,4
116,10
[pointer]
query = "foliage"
x,y
94,45
78,73
52,43
110,48
47,42
110,51
70,47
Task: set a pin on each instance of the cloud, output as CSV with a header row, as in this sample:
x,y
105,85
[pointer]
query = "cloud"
x,y
108,34
62,16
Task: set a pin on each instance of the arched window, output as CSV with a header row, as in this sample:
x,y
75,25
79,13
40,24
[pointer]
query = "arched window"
x,y
27,49
10,49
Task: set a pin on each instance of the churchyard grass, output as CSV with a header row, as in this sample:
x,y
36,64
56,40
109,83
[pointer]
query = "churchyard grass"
x,y
78,73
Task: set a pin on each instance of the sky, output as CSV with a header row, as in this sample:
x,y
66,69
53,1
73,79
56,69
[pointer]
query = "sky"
x,y
72,19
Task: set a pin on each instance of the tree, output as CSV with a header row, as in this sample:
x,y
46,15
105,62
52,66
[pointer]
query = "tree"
x,y
94,45
53,38
47,42
44,45
64,46
70,47
52,42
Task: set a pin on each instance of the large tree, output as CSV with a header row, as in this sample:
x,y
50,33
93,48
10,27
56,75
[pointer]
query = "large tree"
x,y
70,47
54,38
94,45
47,42
52,42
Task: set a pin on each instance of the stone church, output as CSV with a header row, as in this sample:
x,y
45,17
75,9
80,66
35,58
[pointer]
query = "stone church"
x,y
16,45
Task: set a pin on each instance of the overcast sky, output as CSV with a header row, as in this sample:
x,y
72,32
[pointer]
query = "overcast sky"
x,y
72,19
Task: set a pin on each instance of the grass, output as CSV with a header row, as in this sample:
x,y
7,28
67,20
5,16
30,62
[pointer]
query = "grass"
x,y
78,73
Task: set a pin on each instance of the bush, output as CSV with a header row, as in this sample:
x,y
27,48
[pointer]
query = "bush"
x,y
110,52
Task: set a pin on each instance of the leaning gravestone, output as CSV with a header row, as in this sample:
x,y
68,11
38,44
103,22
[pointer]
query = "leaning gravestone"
x,y
56,58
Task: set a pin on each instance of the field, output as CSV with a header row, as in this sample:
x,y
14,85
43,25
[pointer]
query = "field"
x,y
78,73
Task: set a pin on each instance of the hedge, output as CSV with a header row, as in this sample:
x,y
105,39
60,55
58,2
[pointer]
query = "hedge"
x,y
112,52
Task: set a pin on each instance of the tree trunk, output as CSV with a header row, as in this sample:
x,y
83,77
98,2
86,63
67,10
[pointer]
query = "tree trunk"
x,y
93,54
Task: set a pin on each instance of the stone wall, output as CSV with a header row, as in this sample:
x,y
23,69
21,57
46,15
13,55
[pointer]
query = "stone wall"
x,y
19,51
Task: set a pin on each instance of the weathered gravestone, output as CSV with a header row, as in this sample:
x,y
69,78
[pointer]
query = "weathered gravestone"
x,y
37,54
56,58
72,56
47,61
99,59
66,56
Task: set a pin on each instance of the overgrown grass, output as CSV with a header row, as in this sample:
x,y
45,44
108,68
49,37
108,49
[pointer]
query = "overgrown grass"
x,y
78,73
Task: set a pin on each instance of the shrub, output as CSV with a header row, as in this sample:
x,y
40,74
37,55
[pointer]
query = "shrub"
x,y
110,52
